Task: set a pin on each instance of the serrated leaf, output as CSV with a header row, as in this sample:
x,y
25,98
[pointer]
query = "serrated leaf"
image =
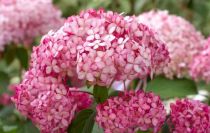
x,y
100,93
83,122
168,88
22,55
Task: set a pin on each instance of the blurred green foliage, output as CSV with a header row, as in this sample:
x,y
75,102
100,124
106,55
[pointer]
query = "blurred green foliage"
x,y
168,89
196,11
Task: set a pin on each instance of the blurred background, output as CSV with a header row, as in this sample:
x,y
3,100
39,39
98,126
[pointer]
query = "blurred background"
x,y
196,11
14,60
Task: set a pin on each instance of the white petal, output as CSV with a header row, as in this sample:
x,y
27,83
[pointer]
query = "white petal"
x,y
90,32
48,69
120,40
111,28
56,69
111,37
90,44
102,44
95,47
91,37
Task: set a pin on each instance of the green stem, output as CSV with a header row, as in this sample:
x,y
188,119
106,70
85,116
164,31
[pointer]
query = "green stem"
x,y
144,84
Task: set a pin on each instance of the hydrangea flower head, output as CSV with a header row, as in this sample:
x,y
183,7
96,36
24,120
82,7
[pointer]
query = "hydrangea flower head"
x,y
23,20
131,111
48,102
100,47
200,66
189,116
181,38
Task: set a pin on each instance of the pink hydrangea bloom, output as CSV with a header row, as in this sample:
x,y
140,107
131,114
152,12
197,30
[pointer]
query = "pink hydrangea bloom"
x,y
100,47
23,20
180,37
48,102
97,47
189,116
200,67
141,54
131,111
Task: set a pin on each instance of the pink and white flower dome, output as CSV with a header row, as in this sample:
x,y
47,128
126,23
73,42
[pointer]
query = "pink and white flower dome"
x,y
181,39
23,20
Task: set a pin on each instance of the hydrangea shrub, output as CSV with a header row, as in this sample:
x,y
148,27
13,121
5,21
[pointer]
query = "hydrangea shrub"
x,y
72,70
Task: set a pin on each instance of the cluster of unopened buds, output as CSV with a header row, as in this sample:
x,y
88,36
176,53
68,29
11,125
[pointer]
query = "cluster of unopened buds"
x,y
98,48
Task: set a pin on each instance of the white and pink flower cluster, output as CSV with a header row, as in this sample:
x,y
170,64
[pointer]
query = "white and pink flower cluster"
x,y
133,111
200,67
48,102
23,20
100,47
130,112
181,39
188,116
94,46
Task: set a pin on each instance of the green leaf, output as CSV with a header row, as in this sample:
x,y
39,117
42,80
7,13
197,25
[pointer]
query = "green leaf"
x,y
97,129
167,88
100,93
10,128
124,5
139,5
7,117
165,128
55,1
27,127
4,81
83,122
22,55
9,54
202,85
114,93
6,111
